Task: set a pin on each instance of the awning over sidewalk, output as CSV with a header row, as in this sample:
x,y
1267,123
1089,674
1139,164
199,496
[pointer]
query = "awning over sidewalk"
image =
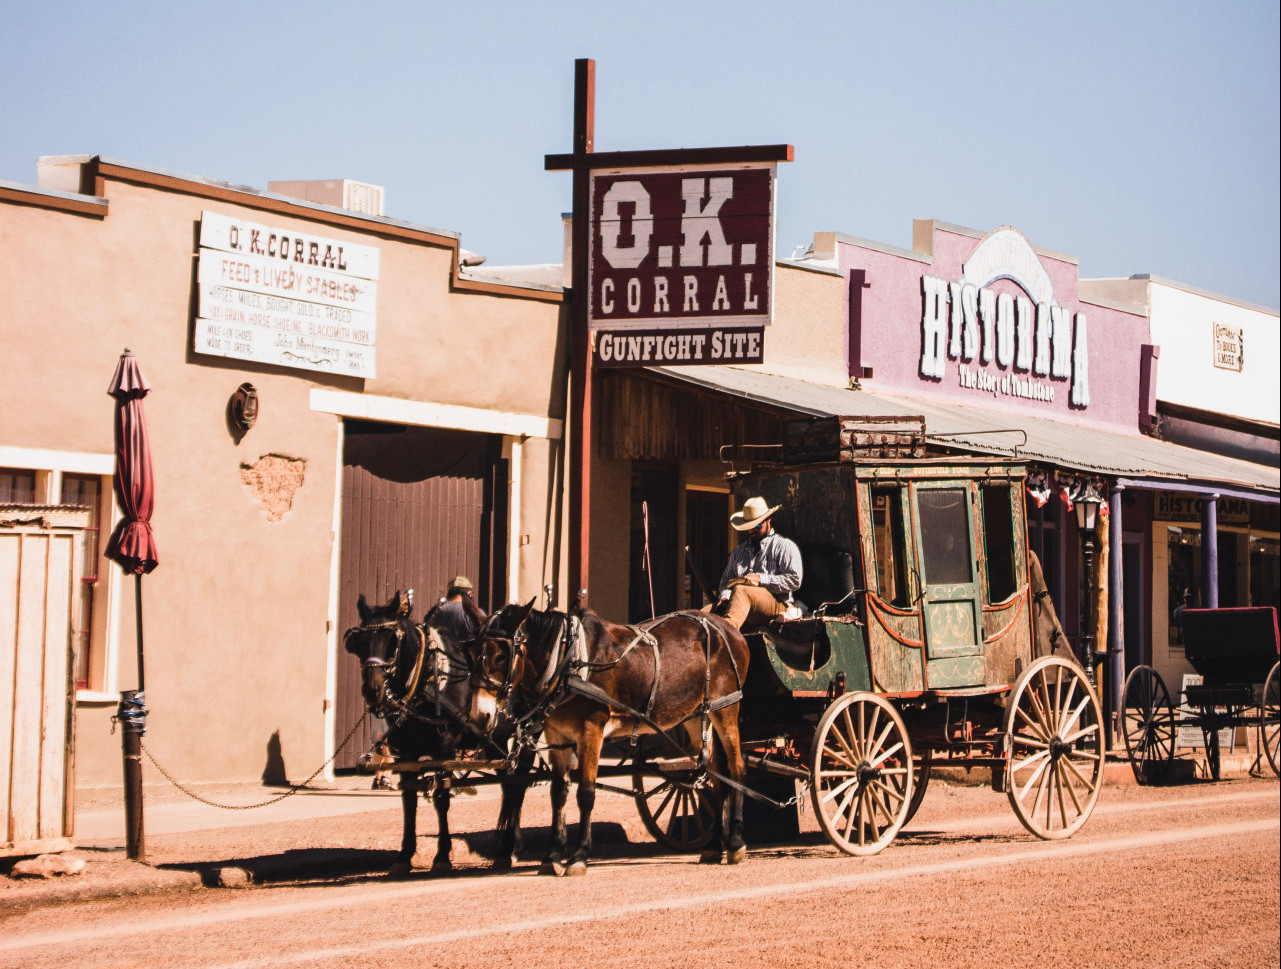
x,y
1141,461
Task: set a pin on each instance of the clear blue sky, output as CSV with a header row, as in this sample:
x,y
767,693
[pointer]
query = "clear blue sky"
x,y
1138,137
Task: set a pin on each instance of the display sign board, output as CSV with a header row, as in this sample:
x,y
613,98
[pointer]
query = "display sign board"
x,y
1229,347
1007,345
681,263
1175,506
287,298
1192,736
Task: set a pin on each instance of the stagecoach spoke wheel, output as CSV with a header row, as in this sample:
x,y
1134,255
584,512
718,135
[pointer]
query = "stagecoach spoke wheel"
x,y
1148,723
1270,719
861,773
1054,748
677,812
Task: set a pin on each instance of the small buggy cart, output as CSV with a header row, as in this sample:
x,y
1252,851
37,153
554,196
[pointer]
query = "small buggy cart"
x,y
1235,651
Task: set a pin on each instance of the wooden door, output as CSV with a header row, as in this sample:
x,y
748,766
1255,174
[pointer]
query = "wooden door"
x,y
37,579
944,526
419,506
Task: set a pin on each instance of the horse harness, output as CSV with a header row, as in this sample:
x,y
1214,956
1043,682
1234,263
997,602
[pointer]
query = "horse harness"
x,y
561,676
1057,634
406,705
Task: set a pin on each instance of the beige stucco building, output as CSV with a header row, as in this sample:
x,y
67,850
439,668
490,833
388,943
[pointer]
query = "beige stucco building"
x,y
396,445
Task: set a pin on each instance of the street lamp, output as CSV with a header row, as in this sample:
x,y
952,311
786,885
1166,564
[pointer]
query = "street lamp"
x,y
1087,521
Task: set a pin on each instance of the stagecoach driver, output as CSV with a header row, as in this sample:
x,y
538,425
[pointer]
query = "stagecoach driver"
x,y
457,612
762,573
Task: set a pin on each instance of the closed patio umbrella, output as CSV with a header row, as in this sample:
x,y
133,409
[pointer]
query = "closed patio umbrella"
x,y
133,546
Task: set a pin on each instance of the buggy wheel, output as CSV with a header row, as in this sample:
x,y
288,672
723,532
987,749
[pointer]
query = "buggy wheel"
x,y
677,811
861,773
1148,723
1054,748
922,764
1270,719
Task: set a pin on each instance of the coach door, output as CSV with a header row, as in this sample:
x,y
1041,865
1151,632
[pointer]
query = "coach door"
x,y
953,619
419,506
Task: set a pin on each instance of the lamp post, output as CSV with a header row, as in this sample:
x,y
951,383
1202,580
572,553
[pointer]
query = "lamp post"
x,y
1087,520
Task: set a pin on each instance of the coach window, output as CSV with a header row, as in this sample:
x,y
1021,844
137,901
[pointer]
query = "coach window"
x,y
889,537
998,539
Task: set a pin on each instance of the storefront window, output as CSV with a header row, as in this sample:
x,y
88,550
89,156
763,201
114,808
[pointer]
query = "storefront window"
x,y
84,490
1265,583
1184,576
17,487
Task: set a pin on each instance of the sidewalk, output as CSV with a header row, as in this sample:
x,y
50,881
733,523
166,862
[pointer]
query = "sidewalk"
x,y
103,827
177,826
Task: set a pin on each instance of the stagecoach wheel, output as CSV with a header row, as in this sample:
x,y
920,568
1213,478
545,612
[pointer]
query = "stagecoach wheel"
x,y
1054,748
1270,719
1148,723
861,773
922,764
677,813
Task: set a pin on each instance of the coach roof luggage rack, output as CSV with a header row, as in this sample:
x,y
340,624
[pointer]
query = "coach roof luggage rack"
x,y
808,440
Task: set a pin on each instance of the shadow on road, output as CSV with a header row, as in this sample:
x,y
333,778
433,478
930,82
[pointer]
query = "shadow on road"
x,y
472,853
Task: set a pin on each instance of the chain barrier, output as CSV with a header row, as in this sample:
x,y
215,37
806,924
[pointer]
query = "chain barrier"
x,y
293,788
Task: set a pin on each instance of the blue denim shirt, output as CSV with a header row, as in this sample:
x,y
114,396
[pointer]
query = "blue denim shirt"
x,y
777,560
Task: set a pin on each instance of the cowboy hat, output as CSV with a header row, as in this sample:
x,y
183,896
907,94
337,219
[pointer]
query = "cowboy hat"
x,y
754,512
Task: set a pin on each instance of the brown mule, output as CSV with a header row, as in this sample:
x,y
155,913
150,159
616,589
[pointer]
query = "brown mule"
x,y
589,678
418,678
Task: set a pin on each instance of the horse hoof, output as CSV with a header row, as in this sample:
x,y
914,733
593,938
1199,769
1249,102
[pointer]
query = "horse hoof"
x,y
550,867
576,869
736,856
442,866
400,869
710,856
504,862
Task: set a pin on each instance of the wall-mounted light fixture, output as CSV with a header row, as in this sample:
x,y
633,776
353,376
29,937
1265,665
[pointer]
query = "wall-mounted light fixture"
x,y
244,406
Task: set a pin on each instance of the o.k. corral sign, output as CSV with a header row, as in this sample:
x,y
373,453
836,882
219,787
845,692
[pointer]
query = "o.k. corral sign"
x,y
681,264
284,297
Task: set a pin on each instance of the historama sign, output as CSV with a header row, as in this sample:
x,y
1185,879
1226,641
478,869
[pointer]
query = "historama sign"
x,y
681,264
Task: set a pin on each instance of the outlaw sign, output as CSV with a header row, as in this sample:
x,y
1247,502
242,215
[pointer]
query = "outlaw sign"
x,y
682,247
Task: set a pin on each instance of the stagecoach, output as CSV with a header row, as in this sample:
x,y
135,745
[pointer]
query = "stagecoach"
x,y
919,649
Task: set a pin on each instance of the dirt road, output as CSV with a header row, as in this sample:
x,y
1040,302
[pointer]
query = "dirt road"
x,y
1184,876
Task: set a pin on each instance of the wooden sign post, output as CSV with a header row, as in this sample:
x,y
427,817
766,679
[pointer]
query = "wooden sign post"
x,y
673,258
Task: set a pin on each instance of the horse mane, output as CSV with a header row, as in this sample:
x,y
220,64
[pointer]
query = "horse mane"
x,y
542,626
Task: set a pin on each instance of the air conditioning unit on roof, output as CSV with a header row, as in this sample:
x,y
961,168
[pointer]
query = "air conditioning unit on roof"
x,y
338,192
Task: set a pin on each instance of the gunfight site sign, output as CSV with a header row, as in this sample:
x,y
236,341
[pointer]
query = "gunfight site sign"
x,y
681,264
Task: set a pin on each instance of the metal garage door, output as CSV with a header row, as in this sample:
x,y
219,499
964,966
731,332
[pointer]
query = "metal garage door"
x,y
419,506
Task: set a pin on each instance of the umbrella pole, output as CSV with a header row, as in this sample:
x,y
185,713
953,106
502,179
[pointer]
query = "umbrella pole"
x,y
132,715
137,604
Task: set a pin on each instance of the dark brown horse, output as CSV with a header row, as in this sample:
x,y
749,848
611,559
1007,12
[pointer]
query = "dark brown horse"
x,y
418,679
588,678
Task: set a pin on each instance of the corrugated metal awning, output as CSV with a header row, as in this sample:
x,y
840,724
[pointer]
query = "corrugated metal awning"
x,y
1078,447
